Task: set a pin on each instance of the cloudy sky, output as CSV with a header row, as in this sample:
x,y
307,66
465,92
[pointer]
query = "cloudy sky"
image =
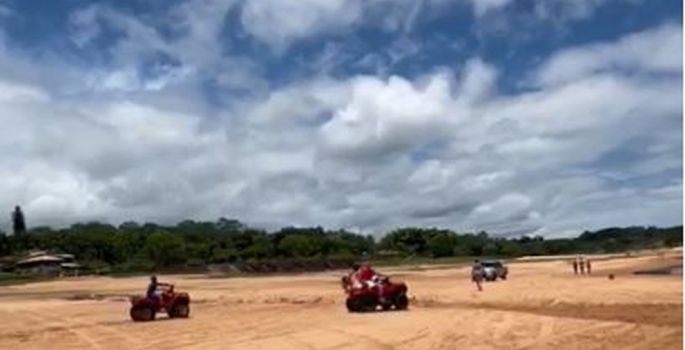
x,y
511,116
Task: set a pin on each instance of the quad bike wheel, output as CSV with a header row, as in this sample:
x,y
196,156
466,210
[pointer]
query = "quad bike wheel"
x,y
401,302
361,304
356,304
353,305
369,303
180,311
142,314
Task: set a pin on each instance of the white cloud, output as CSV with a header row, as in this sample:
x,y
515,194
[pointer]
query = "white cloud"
x,y
443,149
146,125
302,104
478,81
21,93
203,22
139,36
481,7
125,80
279,22
507,207
51,193
523,22
129,80
657,50
198,52
562,10
388,117
84,26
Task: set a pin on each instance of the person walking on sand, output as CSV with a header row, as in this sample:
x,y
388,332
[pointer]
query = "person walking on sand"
x,y
582,266
477,274
575,266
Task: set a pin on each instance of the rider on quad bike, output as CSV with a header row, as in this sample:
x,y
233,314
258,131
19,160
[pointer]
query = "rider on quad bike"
x,y
175,304
366,290
152,288
367,277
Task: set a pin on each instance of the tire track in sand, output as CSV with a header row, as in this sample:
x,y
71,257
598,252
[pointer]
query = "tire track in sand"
x,y
85,338
93,326
377,344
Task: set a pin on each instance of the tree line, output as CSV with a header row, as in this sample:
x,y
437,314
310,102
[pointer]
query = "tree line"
x,y
145,247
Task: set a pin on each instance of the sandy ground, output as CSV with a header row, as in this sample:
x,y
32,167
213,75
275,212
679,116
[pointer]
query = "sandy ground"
x,y
542,306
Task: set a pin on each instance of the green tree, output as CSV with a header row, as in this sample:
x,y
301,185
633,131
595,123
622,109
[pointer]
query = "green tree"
x,y
490,249
299,245
165,249
511,249
5,246
442,245
260,248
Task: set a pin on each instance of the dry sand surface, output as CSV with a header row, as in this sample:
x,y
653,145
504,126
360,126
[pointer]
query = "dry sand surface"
x,y
542,306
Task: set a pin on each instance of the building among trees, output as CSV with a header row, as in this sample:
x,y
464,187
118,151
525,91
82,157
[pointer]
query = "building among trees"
x,y
41,262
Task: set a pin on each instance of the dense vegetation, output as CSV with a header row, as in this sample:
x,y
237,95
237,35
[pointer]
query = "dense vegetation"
x,y
135,247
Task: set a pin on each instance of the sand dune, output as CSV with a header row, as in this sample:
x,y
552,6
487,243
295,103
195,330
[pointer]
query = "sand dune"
x,y
542,306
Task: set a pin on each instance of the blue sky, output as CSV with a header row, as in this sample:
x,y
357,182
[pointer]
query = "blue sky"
x,y
444,33
513,116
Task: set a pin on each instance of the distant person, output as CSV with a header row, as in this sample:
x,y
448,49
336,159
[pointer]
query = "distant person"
x,y
18,221
152,288
588,266
582,266
477,274
575,266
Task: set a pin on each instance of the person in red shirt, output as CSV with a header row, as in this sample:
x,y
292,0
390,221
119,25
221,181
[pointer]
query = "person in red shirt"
x,y
369,278
365,273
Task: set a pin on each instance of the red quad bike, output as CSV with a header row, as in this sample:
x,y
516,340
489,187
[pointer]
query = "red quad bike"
x,y
361,299
175,304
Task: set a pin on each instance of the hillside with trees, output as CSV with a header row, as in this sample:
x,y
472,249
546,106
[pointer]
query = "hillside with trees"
x,y
134,247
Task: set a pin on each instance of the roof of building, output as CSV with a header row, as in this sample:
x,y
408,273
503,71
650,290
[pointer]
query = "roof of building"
x,y
70,265
37,253
39,259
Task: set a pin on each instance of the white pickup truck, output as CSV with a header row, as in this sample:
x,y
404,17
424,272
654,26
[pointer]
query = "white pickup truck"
x,y
494,269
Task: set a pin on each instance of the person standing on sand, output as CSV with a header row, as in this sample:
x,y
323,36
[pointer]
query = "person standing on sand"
x,y
477,274
582,266
575,266
588,266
